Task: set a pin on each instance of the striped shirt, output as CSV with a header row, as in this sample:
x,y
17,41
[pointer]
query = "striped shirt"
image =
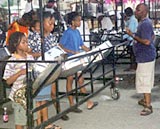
x,y
12,68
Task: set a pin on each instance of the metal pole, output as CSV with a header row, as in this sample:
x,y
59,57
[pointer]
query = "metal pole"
x,y
41,26
122,18
29,98
18,1
31,5
116,24
83,21
9,11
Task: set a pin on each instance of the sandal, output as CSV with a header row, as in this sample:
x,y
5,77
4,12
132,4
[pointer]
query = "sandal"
x,y
94,105
53,127
56,127
142,102
146,111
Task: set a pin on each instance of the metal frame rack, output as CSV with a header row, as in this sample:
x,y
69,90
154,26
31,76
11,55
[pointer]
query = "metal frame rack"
x,y
110,73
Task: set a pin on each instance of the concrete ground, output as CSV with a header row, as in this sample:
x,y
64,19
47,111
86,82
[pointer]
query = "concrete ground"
x,y
123,113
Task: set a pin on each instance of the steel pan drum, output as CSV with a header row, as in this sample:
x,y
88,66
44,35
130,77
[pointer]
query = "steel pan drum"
x,y
74,65
47,73
80,63
104,51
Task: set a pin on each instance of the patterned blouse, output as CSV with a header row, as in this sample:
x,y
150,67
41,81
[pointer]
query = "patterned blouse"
x,y
34,42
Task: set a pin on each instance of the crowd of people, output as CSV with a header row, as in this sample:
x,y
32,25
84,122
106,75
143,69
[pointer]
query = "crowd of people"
x,y
31,45
24,42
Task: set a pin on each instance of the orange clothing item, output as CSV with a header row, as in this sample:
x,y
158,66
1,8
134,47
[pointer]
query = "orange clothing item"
x,y
16,27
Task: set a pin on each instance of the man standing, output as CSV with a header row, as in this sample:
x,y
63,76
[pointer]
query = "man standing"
x,y
145,54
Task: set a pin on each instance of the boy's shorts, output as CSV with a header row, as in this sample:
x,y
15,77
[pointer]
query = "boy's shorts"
x,y
20,116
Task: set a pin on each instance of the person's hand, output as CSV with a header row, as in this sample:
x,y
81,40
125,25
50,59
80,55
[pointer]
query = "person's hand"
x,y
128,31
76,52
22,72
125,18
38,54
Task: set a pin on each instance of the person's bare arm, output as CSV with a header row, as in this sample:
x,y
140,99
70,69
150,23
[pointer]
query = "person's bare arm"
x,y
14,77
85,48
67,50
140,40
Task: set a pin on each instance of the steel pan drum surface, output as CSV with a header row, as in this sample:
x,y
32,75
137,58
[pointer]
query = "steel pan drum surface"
x,y
42,70
46,70
80,63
